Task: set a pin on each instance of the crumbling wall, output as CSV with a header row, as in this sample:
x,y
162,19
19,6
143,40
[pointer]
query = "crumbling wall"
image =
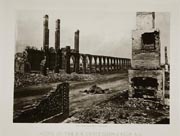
x,y
146,78
35,57
145,56
51,104
153,74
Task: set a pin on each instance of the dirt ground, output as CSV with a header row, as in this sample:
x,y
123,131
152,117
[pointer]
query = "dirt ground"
x,y
110,107
118,109
26,95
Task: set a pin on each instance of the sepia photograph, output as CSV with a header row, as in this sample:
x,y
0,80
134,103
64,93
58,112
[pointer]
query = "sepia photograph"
x,y
89,68
104,68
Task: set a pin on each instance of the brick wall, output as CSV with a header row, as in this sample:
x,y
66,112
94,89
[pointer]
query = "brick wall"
x,y
53,103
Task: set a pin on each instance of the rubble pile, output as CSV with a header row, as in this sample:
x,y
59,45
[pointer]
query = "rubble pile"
x,y
121,110
23,80
94,89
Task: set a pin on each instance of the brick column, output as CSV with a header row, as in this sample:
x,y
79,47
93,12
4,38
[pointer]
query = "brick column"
x,y
76,41
95,63
57,45
67,59
77,57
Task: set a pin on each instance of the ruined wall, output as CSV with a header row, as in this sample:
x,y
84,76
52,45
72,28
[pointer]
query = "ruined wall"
x,y
49,105
34,58
145,42
52,61
144,74
145,55
146,78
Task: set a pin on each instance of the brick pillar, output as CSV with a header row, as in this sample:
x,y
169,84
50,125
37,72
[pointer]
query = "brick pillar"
x,y
108,64
90,64
77,57
60,58
126,63
46,39
76,41
84,64
57,35
100,64
117,61
115,64
95,63
119,64
67,60
57,45
122,64
45,33
104,64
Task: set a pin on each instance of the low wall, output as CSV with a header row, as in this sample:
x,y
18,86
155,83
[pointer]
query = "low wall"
x,y
56,102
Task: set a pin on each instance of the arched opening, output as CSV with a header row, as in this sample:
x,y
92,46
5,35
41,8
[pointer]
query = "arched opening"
x,y
98,65
93,67
81,64
105,64
72,63
112,64
87,64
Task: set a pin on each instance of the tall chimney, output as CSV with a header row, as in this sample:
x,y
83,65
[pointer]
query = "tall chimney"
x,y
45,34
57,35
76,41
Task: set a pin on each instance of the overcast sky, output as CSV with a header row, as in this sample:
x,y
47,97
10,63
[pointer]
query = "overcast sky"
x,y
102,32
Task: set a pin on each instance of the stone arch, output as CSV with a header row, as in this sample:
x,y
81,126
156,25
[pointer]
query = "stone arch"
x,y
87,64
81,64
97,64
108,64
116,64
112,64
104,62
93,64
100,63
72,63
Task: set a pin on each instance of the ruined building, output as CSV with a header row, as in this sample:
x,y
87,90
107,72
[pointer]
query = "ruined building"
x,y
71,60
146,77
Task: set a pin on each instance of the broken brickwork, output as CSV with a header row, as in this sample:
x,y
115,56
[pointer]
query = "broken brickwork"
x,y
146,77
43,109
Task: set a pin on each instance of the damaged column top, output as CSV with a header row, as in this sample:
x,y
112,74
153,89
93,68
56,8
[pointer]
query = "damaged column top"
x,y
145,20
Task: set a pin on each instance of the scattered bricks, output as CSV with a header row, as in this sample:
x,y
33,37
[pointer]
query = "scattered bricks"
x,y
94,89
27,79
123,111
